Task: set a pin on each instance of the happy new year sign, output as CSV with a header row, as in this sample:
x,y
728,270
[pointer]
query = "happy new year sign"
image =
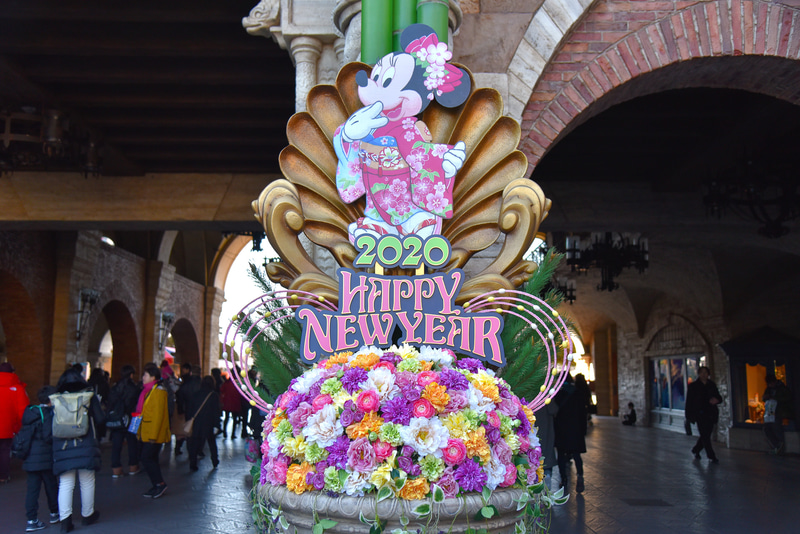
x,y
423,307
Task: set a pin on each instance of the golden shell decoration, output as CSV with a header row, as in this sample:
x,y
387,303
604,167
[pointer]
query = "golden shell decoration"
x,y
491,196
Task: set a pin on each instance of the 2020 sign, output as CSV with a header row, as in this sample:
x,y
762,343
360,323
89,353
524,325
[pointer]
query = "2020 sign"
x,y
407,253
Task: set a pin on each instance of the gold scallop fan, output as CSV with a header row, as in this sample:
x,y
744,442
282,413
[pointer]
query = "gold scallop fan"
x,y
491,196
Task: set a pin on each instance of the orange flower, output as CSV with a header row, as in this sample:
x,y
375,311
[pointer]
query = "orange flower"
x,y
414,489
529,414
478,446
280,415
296,477
425,365
366,361
371,423
338,358
437,395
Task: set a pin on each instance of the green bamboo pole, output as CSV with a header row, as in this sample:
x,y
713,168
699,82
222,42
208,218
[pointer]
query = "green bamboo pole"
x,y
434,13
376,30
405,14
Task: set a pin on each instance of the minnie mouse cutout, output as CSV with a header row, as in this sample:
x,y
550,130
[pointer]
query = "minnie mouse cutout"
x,y
387,154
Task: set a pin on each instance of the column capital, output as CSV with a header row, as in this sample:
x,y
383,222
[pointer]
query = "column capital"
x,y
305,49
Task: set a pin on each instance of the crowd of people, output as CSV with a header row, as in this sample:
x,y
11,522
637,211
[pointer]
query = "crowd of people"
x,y
58,437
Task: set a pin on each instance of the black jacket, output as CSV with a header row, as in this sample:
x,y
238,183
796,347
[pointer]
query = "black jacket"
x,y
78,453
570,423
35,439
208,418
698,407
189,386
124,395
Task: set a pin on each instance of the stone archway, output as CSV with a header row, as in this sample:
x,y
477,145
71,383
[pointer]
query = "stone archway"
x,y
24,345
187,349
123,334
610,49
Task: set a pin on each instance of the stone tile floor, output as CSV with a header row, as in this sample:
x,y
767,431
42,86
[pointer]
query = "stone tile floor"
x,y
638,480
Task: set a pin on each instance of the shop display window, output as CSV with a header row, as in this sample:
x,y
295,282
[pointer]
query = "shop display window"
x,y
669,380
749,385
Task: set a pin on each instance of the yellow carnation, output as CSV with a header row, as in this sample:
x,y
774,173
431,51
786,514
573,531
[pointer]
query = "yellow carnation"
x,y
296,477
382,476
342,396
437,395
414,489
478,446
295,447
457,424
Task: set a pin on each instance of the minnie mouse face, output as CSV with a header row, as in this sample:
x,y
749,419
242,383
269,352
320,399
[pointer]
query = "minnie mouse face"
x,y
389,83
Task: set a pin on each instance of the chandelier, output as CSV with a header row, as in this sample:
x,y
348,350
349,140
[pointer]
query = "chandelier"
x,y
608,251
35,139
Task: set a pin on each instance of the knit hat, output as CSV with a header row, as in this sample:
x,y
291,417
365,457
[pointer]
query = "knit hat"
x,y
6,367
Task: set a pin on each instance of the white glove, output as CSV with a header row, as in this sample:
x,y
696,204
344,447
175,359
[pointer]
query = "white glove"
x,y
363,122
454,159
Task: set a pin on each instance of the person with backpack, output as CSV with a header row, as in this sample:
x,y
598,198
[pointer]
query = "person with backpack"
x,y
190,384
13,401
154,427
121,404
34,445
76,453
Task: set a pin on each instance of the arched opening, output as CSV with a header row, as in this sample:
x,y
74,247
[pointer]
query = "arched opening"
x,y
184,339
124,343
22,335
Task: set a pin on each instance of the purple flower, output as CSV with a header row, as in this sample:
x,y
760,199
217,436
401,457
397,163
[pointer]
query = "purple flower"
x,y
525,427
300,416
350,414
407,451
361,455
533,456
458,401
470,476
295,401
397,410
405,463
337,453
316,479
391,357
352,378
448,483
405,378
315,389
508,407
493,435
453,380
411,392
470,364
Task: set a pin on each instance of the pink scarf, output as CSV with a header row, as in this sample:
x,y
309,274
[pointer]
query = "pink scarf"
x,y
143,395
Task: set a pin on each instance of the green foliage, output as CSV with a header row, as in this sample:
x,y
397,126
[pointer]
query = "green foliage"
x,y
276,351
526,358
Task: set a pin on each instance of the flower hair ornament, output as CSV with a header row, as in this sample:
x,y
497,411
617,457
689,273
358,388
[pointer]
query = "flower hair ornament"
x,y
443,81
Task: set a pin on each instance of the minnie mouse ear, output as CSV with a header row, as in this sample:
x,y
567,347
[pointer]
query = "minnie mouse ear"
x,y
458,91
414,32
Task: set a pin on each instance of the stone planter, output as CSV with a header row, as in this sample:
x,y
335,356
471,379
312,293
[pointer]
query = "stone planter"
x,y
298,511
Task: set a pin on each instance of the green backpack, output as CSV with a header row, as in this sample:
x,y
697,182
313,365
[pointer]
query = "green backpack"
x,y
71,414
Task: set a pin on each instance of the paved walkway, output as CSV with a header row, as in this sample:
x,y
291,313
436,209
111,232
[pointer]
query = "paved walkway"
x,y
638,480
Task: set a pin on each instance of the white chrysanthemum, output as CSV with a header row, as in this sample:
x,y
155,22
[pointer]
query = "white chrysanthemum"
x,y
381,380
323,427
405,351
426,436
533,438
430,354
307,379
274,445
495,471
357,483
478,401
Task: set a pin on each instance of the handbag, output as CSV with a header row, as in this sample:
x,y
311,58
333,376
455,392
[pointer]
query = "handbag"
x,y
136,422
189,424
120,423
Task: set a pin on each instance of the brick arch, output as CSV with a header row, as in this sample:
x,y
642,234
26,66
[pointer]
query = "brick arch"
x,y
593,68
24,338
187,348
123,336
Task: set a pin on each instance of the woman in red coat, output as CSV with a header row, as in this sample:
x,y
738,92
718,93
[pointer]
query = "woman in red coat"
x,y
231,405
13,401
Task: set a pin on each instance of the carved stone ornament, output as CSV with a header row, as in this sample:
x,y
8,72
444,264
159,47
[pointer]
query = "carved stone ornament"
x,y
492,199
454,515
262,17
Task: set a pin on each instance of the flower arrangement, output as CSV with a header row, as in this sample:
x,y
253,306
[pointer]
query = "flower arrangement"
x,y
410,420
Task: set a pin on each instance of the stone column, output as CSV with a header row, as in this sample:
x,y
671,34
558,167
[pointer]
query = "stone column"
x,y
159,284
305,53
214,298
